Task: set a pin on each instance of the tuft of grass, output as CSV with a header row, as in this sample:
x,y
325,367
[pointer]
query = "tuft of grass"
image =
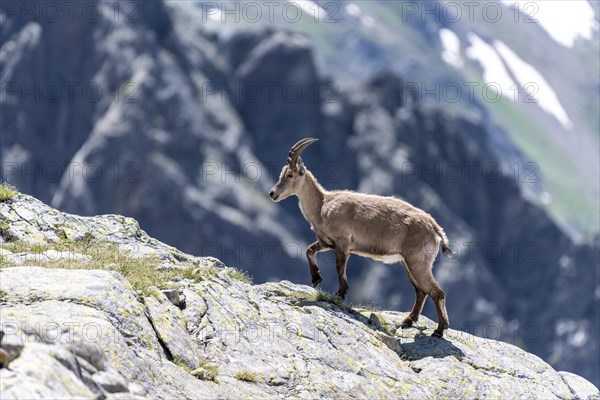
x,y
206,371
240,275
378,319
204,273
141,272
4,232
247,376
22,247
7,192
321,296
179,362
370,307
329,298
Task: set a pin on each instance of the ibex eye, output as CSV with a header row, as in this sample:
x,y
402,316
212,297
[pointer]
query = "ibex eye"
x,y
290,176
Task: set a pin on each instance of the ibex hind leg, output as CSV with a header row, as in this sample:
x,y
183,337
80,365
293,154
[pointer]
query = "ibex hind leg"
x,y
420,271
420,297
413,317
439,298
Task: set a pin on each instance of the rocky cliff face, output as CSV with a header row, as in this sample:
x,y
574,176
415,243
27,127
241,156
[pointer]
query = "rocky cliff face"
x,y
175,137
93,307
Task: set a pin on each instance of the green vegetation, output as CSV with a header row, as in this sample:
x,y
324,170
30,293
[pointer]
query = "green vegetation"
x,y
7,192
181,364
247,376
4,232
329,298
143,273
559,176
22,247
369,307
387,326
320,296
206,371
572,200
240,275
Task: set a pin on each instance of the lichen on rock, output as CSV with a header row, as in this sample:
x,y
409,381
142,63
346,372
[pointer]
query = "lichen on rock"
x,y
89,332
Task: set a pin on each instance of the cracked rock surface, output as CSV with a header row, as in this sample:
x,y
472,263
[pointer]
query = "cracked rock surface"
x,y
90,333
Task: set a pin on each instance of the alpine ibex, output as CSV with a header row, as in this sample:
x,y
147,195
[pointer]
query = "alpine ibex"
x,y
382,228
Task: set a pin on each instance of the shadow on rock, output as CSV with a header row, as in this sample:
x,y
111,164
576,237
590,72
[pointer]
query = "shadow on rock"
x,y
373,322
426,346
408,348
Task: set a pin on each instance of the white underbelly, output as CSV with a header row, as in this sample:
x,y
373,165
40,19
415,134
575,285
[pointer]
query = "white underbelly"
x,y
386,259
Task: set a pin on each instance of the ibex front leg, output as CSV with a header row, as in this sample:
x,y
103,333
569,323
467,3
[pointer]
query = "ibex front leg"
x,y
341,258
311,251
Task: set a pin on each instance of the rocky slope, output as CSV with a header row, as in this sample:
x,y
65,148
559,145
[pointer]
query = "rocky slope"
x,y
173,142
75,326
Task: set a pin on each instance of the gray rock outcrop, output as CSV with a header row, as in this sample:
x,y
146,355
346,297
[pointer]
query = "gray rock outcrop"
x,y
76,327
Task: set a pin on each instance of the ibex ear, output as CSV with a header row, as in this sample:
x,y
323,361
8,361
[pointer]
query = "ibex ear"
x,y
300,167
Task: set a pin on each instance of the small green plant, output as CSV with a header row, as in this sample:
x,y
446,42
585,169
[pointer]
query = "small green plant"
x,y
246,376
22,247
4,232
200,274
7,192
206,272
143,273
370,307
321,296
378,319
240,275
206,371
329,298
181,364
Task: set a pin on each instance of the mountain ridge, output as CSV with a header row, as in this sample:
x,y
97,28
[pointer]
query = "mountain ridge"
x,y
82,328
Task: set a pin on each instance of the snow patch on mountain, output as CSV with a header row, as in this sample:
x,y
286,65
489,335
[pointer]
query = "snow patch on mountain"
x,y
451,45
565,21
494,72
495,59
534,84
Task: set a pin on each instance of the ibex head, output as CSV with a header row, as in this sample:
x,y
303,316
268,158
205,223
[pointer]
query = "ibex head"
x,y
293,173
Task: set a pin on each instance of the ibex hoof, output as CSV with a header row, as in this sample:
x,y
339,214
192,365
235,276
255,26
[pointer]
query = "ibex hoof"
x,y
407,323
437,334
341,295
317,282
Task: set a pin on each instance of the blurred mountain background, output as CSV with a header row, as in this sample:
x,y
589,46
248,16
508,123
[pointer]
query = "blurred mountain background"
x,y
181,113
